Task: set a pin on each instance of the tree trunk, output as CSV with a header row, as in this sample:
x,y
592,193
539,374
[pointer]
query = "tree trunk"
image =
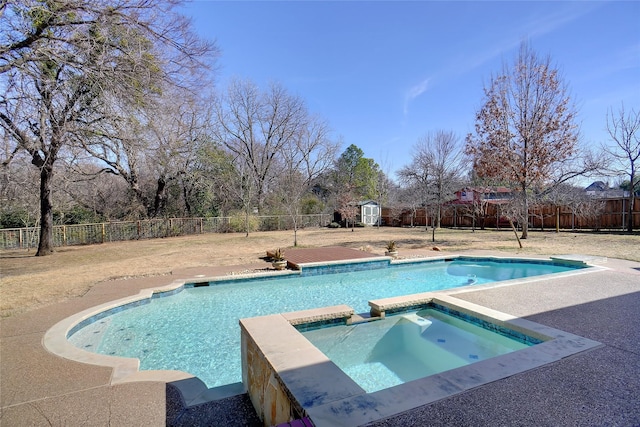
x,y
246,222
525,214
160,200
631,203
187,204
45,246
513,227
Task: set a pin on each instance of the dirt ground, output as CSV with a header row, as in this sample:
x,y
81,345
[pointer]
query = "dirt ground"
x,y
28,282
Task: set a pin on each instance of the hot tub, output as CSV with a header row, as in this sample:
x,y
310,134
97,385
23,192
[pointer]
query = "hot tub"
x,y
287,376
411,345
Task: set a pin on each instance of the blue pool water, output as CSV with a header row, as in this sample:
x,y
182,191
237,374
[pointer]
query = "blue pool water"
x,y
196,330
408,346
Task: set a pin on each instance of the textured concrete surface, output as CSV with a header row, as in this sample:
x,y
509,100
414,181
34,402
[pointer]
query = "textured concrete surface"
x,y
596,388
599,387
38,388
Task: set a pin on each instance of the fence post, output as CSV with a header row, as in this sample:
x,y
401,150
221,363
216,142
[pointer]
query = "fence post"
x,y
104,233
64,235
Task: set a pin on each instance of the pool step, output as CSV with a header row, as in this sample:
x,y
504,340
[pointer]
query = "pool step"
x,y
577,258
361,318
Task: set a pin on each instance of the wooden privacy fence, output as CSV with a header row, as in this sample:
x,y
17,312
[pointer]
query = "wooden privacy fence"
x,y
86,234
611,214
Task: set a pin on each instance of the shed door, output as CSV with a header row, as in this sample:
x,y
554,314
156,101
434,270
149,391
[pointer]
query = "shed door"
x,y
370,214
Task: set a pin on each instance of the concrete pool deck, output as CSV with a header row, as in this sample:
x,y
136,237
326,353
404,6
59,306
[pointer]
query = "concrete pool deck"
x,y
598,387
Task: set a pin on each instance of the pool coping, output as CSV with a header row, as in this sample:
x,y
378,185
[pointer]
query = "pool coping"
x,y
193,390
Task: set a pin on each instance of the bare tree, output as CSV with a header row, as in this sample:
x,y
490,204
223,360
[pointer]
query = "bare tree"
x,y
436,168
417,178
120,149
242,185
19,192
105,195
592,210
385,190
175,131
61,59
29,26
445,154
479,207
525,127
581,205
304,158
624,130
537,207
255,126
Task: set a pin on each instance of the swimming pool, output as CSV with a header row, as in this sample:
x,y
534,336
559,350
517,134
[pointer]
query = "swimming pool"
x,y
195,328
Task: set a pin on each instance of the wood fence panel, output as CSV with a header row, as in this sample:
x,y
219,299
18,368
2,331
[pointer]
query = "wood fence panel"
x,y
613,216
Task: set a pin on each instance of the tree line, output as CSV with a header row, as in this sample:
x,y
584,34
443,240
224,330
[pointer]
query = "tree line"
x,y
111,112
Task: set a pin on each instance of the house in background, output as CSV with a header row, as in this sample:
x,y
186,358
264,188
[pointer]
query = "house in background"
x,y
479,203
470,195
596,187
601,190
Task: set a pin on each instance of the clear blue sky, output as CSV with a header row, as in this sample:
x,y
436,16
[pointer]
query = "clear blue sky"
x,y
385,73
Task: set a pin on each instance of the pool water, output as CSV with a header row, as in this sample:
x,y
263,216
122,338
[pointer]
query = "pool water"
x,y
404,347
197,331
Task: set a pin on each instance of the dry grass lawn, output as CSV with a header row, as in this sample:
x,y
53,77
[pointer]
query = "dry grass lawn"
x,y
28,282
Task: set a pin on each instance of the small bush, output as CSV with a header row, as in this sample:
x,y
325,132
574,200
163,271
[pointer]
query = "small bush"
x,y
238,223
391,246
334,225
278,255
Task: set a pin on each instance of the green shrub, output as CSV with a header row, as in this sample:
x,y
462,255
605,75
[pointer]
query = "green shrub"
x,y
76,215
16,219
311,205
334,225
238,223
